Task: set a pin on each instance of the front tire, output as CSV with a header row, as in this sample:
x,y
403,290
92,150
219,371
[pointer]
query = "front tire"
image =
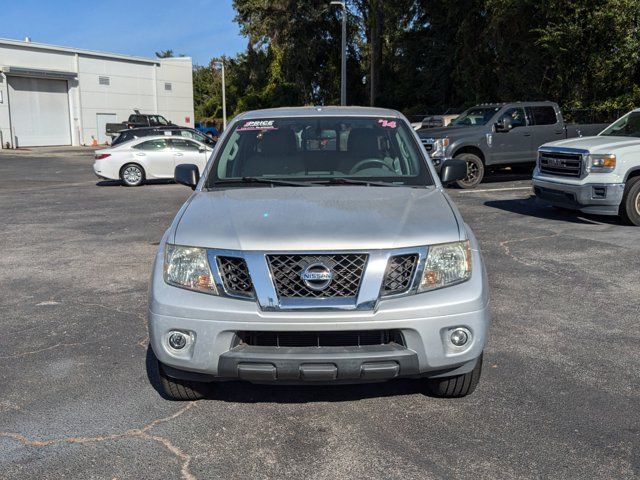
x,y
456,386
630,205
132,175
181,390
475,171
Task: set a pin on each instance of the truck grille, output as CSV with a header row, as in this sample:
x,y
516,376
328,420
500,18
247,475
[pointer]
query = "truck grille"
x,y
235,276
428,145
347,270
321,339
561,164
399,273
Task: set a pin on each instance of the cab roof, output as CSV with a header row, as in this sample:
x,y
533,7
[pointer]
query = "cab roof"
x,y
319,111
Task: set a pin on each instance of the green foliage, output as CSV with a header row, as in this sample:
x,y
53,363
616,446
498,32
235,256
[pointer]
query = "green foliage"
x,y
165,54
429,55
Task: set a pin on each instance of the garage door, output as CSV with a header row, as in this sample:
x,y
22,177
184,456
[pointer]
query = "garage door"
x,y
39,111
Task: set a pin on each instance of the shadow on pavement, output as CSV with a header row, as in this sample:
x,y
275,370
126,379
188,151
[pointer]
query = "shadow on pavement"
x,y
530,207
118,183
502,176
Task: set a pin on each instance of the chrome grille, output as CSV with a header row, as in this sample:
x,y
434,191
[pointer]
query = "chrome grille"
x,y
428,145
235,276
347,270
560,164
399,273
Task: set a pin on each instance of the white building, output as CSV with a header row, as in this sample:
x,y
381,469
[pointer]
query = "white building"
x,y
52,95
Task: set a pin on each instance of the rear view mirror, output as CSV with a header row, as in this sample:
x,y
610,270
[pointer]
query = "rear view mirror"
x,y
187,174
453,170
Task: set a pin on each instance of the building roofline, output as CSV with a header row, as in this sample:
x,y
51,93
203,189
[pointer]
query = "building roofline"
x,y
79,51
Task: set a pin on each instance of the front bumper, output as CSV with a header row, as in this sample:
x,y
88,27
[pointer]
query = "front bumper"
x,y
425,321
594,198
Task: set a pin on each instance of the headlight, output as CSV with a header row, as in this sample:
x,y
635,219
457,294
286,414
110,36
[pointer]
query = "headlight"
x,y
188,267
440,145
601,163
447,264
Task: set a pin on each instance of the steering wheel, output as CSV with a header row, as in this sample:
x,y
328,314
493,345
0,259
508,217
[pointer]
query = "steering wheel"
x,y
373,161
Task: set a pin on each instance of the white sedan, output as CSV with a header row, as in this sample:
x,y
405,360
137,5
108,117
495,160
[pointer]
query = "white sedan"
x,y
149,158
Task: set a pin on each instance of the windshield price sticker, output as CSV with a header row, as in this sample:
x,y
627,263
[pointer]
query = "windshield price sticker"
x,y
387,123
257,125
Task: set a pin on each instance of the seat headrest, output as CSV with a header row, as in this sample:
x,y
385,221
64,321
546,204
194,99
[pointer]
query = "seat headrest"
x,y
363,142
279,142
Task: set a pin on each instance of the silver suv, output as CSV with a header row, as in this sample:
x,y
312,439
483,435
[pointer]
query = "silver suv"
x,y
319,247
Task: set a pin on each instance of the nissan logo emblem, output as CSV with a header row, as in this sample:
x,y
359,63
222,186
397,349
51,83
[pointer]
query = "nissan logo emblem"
x,y
317,276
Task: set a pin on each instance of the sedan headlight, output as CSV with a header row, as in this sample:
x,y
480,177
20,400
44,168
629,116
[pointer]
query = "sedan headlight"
x,y
601,163
447,264
188,267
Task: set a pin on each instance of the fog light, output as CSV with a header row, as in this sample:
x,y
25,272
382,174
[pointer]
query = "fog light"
x,y
459,337
177,340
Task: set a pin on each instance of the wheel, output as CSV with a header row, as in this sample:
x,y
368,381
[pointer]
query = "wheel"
x,y
172,388
457,386
475,170
630,205
132,175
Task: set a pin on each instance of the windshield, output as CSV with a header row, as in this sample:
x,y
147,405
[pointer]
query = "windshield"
x,y
627,126
157,120
475,116
321,149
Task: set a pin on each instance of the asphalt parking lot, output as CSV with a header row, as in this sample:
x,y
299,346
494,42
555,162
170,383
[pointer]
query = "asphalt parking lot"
x,y
559,396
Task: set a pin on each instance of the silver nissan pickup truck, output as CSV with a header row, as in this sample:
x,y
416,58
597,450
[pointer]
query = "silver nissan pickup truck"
x,y
318,247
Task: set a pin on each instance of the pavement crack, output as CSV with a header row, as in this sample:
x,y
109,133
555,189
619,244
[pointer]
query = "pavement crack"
x,y
505,246
51,347
143,433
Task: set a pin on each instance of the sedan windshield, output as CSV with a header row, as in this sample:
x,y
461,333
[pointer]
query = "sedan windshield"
x,y
319,150
627,126
475,116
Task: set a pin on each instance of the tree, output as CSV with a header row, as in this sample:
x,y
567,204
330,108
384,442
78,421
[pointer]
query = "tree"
x,y
165,54
430,56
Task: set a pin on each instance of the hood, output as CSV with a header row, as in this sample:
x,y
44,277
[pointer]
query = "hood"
x,y
597,144
317,218
453,132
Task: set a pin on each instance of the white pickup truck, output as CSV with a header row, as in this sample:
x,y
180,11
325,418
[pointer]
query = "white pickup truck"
x,y
599,175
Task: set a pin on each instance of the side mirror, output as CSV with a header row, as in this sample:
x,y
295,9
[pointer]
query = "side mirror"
x,y
453,170
187,174
202,149
504,124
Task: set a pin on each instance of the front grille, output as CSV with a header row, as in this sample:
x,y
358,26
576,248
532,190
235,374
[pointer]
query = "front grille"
x,y
235,276
427,144
347,270
321,339
561,164
399,273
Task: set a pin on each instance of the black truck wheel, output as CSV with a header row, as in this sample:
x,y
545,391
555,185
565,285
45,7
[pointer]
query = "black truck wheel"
x,y
457,386
475,171
630,205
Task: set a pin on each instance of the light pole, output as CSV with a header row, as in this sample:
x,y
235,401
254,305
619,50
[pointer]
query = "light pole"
x,y
343,73
224,98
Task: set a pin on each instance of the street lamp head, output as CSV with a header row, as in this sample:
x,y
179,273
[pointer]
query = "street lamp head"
x,y
342,4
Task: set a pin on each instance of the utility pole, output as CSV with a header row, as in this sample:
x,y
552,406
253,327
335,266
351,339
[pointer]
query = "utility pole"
x,y
343,67
224,97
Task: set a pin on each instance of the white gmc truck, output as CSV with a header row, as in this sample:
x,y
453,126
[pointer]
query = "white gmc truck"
x,y
599,175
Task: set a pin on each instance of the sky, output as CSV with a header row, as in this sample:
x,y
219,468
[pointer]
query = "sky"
x,y
200,29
